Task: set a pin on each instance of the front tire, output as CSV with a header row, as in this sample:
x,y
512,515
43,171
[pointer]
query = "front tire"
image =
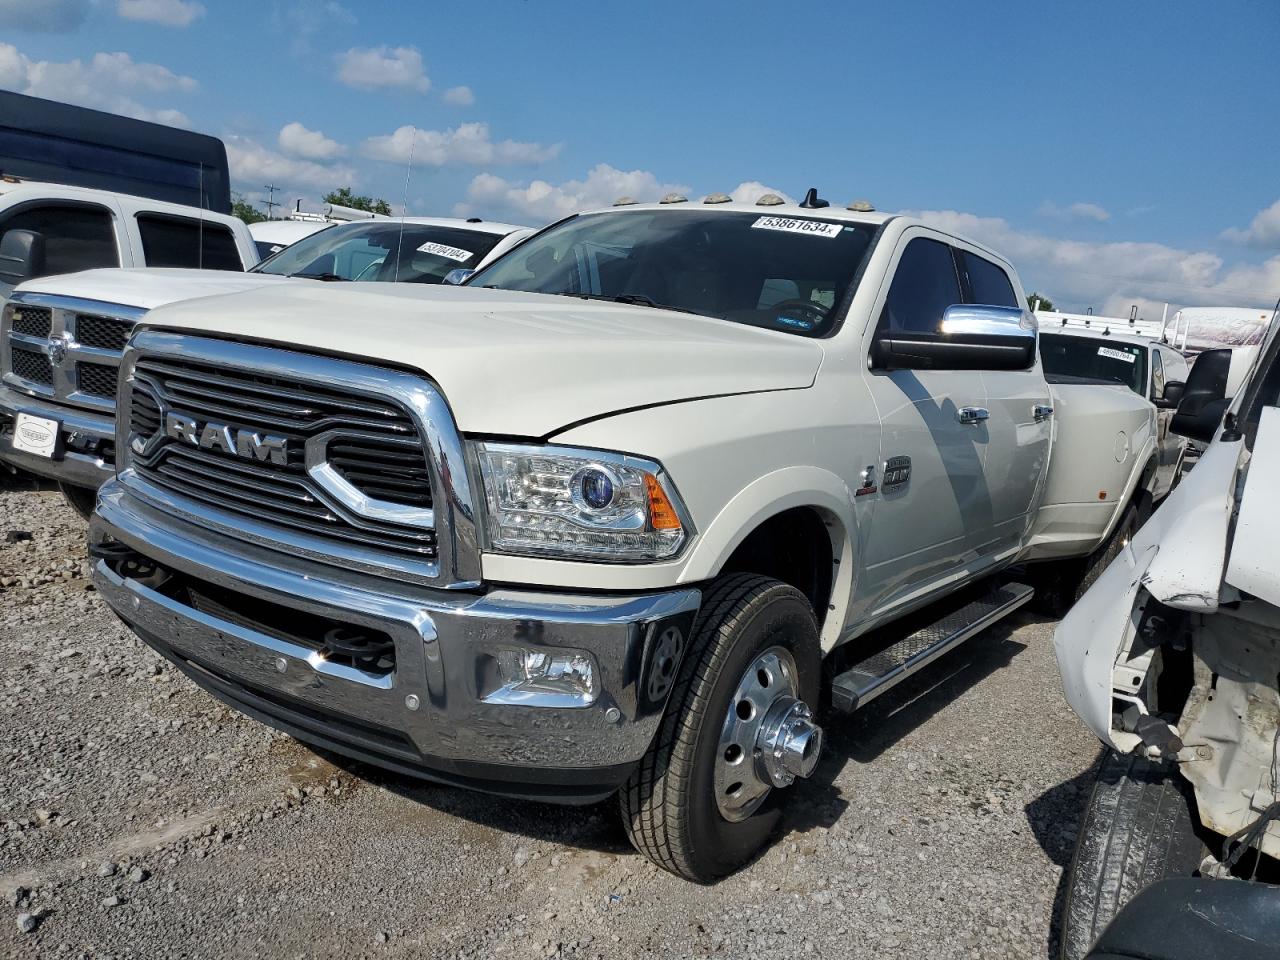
x,y
1139,828
671,808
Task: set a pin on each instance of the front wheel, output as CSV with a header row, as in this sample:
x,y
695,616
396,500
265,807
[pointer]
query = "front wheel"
x,y
738,727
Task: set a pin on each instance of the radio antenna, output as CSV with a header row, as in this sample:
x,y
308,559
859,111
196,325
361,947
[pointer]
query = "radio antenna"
x,y
200,238
404,207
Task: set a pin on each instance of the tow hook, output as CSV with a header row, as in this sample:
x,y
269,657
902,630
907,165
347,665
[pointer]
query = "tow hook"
x,y
789,742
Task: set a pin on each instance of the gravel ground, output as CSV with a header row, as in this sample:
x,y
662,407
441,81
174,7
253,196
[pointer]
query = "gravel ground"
x,y
139,818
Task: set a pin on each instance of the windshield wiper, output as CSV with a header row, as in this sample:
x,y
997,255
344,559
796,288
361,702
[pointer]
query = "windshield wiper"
x,y
326,277
636,299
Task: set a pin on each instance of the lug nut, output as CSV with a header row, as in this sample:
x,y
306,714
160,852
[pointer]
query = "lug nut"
x,y
412,701
282,664
613,715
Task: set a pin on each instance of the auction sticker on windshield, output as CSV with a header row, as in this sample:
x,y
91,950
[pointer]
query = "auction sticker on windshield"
x,y
814,228
443,250
1116,354
37,435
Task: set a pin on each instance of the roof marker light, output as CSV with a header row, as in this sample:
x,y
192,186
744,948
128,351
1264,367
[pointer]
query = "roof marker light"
x,y
718,198
770,200
674,198
624,202
861,206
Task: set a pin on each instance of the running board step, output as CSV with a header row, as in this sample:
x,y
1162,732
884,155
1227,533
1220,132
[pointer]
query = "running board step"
x,y
865,681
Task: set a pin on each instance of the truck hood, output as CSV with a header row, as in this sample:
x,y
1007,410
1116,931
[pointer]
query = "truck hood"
x,y
147,287
513,364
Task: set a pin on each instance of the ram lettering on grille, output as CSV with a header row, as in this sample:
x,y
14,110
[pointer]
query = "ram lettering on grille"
x,y
217,436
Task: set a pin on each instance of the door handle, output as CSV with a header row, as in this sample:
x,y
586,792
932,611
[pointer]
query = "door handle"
x,y
1041,412
972,414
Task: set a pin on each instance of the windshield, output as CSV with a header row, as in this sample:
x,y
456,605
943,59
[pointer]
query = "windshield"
x,y
783,273
1085,358
368,251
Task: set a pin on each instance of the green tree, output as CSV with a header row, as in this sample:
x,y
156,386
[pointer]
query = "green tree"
x,y
1045,302
246,211
343,197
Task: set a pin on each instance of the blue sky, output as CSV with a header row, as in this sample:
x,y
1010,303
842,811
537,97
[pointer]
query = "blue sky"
x,y
1116,152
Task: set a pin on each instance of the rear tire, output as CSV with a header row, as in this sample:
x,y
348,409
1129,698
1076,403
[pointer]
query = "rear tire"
x,y
1139,827
669,805
80,499
1101,558
1061,583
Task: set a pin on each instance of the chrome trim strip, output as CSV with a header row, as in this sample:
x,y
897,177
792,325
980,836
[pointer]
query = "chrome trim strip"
x,y
354,499
454,512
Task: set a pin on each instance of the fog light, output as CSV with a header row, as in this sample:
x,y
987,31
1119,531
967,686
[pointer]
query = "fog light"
x,y
541,678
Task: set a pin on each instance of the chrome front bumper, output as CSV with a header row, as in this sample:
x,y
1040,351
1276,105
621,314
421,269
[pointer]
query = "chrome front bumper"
x,y
84,434
434,713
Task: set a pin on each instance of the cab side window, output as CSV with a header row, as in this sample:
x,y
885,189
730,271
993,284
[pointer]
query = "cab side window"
x,y
76,236
183,242
1157,374
988,283
924,285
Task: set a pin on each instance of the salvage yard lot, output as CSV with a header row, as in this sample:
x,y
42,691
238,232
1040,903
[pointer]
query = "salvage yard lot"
x,y
139,817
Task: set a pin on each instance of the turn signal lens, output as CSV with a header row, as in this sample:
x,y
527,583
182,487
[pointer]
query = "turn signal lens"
x,y
662,515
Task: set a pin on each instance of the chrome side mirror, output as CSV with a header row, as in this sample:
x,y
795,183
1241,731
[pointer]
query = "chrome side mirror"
x,y
459,276
969,337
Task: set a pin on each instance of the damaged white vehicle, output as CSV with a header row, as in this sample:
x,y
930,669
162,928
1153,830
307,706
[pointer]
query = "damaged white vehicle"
x,y
1173,660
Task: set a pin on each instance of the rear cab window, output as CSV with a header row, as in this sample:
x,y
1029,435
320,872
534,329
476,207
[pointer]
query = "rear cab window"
x,y
169,241
1072,359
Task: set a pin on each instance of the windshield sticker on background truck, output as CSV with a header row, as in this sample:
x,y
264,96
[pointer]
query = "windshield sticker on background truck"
x,y
1116,354
443,250
814,228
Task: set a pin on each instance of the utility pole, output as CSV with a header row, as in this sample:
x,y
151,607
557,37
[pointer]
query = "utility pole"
x,y
271,201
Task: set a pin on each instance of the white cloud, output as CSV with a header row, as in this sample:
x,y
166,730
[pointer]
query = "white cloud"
x,y
459,96
466,144
167,13
109,81
304,20
374,68
1263,231
1075,211
253,164
540,200
296,139
44,16
1075,274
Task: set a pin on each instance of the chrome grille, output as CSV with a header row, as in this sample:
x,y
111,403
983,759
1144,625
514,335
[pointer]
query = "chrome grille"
x,y
32,366
373,443
106,333
33,321
97,379
65,349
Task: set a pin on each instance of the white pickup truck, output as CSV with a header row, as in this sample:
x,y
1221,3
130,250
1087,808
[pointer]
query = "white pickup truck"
x,y
592,523
61,337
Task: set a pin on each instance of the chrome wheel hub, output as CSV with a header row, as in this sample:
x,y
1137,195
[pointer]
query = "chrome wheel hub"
x,y
768,738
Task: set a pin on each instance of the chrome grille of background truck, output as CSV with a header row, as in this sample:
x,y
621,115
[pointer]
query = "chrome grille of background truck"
x,y
65,349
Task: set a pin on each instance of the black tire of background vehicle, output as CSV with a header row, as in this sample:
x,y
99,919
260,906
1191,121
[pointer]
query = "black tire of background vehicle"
x,y
1139,827
80,499
669,806
1101,558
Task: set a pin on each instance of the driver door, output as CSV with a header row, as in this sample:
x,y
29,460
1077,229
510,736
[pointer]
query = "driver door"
x,y
926,527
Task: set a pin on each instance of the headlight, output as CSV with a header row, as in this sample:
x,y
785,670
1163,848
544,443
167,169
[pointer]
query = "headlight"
x,y
579,503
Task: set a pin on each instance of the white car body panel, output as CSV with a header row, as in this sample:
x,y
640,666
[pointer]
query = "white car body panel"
x,y
574,359
1252,568
147,287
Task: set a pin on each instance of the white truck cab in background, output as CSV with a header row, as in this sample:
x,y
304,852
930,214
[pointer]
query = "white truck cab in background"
x,y
61,337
